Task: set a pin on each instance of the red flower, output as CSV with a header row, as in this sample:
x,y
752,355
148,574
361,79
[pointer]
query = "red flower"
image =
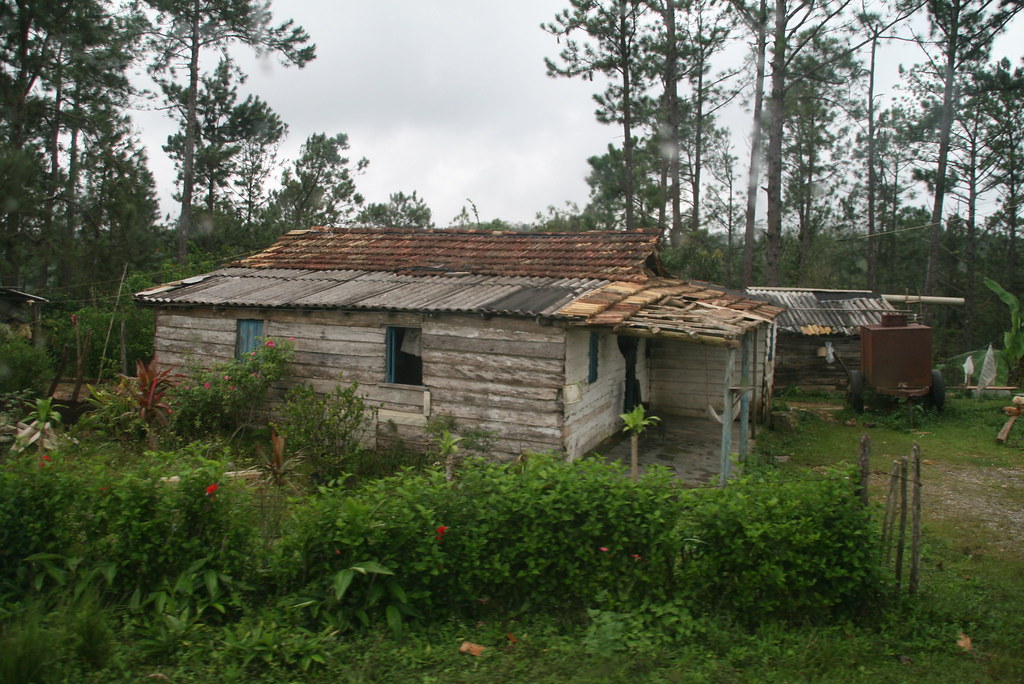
x,y
211,490
603,548
441,532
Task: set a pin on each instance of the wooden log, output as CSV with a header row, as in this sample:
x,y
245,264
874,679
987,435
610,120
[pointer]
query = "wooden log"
x,y
1004,434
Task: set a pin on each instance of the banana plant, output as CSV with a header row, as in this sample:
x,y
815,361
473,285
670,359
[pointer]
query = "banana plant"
x,y
1013,339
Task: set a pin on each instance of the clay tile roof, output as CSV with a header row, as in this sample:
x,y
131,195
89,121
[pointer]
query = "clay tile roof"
x,y
608,255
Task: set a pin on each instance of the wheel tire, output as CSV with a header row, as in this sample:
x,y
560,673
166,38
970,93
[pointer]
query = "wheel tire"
x,y
937,392
855,391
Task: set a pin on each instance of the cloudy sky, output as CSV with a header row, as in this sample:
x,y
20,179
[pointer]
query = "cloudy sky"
x,y
448,98
445,97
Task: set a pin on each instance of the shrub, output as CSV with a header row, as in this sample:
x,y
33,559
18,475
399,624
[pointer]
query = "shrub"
x,y
550,535
225,398
23,367
326,431
788,549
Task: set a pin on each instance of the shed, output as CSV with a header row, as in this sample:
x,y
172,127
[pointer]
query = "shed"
x,y
21,312
819,334
542,338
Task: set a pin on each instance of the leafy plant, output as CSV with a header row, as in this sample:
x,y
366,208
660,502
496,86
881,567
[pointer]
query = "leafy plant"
x,y
23,366
326,430
279,469
39,428
635,422
225,398
1013,339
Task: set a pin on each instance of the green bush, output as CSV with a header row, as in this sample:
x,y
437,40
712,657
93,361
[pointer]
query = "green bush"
x,y
550,535
93,328
226,397
145,527
326,431
788,549
23,367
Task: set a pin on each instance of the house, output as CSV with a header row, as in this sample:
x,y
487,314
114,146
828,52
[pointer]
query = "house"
x,y
819,334
542,338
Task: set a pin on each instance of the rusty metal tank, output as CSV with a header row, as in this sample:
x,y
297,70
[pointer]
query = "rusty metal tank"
x,y
896,360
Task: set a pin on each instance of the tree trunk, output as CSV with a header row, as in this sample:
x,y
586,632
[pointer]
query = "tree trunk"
x,y
626,55
773,233
672,102
946,126
189,151
872,176
753,175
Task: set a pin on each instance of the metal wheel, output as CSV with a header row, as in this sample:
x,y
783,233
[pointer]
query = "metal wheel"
x,y
937,392
855,391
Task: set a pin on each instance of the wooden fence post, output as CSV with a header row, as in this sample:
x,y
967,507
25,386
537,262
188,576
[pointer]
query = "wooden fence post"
x,y
864,464
915,524
890,512
901,544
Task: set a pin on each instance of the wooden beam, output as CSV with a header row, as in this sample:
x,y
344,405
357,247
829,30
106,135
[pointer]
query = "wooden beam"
x,y
727,415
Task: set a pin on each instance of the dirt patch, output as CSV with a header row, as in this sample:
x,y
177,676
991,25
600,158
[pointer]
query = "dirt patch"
x,y
984,498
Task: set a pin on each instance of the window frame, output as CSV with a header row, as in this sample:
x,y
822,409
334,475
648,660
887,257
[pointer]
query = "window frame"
x,y
394,374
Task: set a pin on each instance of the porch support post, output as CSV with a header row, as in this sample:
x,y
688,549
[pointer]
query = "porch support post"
x,y
745,383
727,415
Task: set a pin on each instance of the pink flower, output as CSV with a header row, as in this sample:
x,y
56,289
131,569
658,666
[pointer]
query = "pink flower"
x,y
227,377
232,387
188,387
270,343
603,549
206,385
291,339
252,353
635,556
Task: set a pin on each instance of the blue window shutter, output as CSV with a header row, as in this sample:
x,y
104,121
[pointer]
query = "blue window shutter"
x,y
595,350
248,335
391,353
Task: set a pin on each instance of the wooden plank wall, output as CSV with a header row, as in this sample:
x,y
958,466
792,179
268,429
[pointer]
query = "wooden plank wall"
x,y
595,417
686,378
500,374
798,365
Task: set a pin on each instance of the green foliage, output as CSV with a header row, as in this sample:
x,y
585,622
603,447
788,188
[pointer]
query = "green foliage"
x,y
793,549
326,431
23,366
226,397
637,420
94,333
1013,339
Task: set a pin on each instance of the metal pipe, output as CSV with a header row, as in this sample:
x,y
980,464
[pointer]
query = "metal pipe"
x,y
921,299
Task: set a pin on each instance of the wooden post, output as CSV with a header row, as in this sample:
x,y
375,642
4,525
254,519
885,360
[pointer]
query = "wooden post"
x,y
864,465
634,464
890,512
901,543
915,524
745,381
727,415
124,349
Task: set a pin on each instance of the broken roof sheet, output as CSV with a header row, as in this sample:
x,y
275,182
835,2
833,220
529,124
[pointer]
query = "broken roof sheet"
x,y
824,312
672,309
603,255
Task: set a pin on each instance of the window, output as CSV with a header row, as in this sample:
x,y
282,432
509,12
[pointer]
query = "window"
x,y
404,362
595,352
247,335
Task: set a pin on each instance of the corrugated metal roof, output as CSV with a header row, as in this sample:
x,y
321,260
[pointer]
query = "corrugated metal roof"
x,y
604,255
372,291
824,312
